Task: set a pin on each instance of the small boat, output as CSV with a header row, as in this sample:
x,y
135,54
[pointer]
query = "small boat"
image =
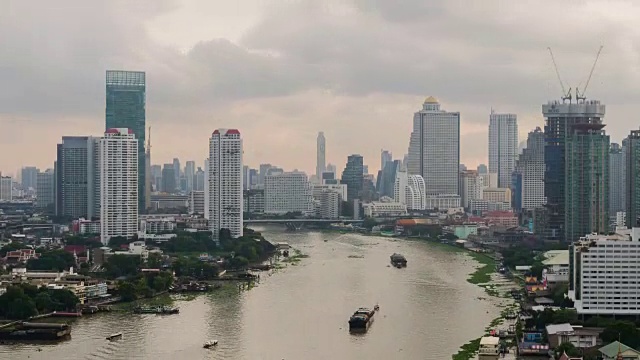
x,y
376,308
114,336
210,343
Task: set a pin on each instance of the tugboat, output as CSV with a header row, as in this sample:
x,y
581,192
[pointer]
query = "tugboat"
x,y
362,319
398,261
164,310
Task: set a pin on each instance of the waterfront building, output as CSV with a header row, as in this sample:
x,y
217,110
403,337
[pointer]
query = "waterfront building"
x,y
6,188
353,176
528,186
471,185
45,188
556,267
434,148
77,178
411,191
288,192
118,164
328,204
341,189
321,155
384,209
576,170
503,146
196,202
615,291
632,182
28,177
254,201
577,336
126,108
225,182
443,201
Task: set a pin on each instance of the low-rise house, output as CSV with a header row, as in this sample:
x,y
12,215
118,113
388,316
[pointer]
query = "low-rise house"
x,y
556,266
20,256
617,351
578,336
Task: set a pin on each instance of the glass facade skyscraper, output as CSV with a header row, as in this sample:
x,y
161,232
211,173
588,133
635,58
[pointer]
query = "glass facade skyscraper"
x,y
125,108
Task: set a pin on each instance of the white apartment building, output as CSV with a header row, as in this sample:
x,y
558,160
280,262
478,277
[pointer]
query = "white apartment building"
x,y
118,168
196,202
434,148
328,203
339,188
497,195
604,272
471,185
503,146
443,201
410,190
556,263
157,225
225,182
288,192
384,209
6,187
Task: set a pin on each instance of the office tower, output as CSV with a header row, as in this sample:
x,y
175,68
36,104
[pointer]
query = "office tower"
x,y
225,182
177,172
198,180
528,181
118,164
462,167
45,188
196,202
503,146
471,186
125,108
264,168
434,148
353,176
28,177
365,169
206,188
410,190
147,176
156,177
246,177
576,175
332,169
189,173
387,178
385,157
287,192
329,204
6,188
616,179
77,179
482,169
168,178
253,178
632,181
321,153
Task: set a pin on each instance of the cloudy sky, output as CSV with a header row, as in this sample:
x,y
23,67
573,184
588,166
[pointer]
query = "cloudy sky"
x,y
282,70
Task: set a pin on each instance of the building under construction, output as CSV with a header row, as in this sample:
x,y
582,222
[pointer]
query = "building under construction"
x,y
576,168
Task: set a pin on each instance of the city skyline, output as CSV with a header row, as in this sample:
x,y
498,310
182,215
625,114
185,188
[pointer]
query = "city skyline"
x,y
193,76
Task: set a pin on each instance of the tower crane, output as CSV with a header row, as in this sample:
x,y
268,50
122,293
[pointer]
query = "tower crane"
x,y
580,96
566,95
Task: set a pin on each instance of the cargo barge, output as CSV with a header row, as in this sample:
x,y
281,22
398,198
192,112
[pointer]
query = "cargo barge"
x,y
35,331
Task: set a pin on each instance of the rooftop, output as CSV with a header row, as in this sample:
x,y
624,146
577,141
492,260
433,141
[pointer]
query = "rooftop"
x,y
559,328
490,340
431,100
556,257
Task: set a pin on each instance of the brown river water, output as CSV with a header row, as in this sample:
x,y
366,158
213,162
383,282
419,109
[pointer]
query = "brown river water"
x,y
427,310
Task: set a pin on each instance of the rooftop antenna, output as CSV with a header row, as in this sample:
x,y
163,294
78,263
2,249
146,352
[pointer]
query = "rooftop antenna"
x,y
566,95
580,96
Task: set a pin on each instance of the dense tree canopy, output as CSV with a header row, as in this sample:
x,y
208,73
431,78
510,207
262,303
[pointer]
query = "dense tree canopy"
x,y
122,265
58,260
625,331
23,301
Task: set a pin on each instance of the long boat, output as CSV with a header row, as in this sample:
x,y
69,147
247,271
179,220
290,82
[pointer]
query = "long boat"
x,y
362,319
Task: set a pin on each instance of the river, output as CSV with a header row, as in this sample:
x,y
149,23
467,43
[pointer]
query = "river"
x,y
427,310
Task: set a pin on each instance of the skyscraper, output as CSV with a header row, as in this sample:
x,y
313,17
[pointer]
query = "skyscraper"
x,y
576,177
177,171
385,157
482,169
353,176
632,178
118,164
168,178
503,146
77,187
198,180
321,159
616,179
6,187
126,108
45,188
225,182
29,177
189,173
529,189
434,148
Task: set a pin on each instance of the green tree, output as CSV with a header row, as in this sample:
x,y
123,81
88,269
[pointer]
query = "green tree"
x,y
127,291
12,246
64,299
369,223
567,348
43,302
21,309
154,261
58,260
237,263
116,241
122,265
626,331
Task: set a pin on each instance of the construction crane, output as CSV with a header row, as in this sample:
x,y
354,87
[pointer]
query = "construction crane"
x,y
580,96
566,95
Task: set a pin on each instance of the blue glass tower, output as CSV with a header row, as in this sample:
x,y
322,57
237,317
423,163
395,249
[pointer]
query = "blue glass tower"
x,y
125,108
